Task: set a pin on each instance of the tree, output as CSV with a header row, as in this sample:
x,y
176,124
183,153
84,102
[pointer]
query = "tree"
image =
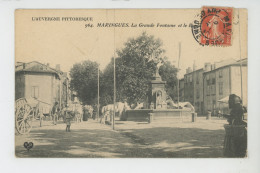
x,y
84,81
168,73
107,84
135,66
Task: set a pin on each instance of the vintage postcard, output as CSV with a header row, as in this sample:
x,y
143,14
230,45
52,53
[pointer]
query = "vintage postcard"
x,y
131,83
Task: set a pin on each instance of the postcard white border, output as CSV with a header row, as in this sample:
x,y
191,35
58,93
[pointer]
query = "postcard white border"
x,y
11,164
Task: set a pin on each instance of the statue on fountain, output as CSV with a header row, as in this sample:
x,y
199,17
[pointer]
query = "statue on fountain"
x,y
158,63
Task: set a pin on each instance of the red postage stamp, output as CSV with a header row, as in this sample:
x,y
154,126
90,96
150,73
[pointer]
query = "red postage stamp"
x,y
216,26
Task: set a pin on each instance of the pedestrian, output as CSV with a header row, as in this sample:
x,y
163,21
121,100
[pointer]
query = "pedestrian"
x,y
41,116
55,110
237,110
219,113
68,119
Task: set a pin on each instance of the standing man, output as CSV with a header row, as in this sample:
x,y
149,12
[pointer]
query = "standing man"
x,y
55,112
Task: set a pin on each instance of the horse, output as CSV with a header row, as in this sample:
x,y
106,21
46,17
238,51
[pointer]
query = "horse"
x,y
89,109
107,111
78,111
139,106
43,110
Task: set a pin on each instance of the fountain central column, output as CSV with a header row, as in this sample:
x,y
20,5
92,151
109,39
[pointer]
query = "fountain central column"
x,y
157,93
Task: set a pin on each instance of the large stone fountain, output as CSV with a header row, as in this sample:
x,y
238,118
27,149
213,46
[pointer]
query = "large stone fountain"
x,y
156,103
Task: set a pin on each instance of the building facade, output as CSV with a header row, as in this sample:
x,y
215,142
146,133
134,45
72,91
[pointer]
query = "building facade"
x,y
204,87
193,83
188,86
219,83
41,82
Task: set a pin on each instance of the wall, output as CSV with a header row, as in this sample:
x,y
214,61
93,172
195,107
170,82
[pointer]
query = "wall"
x,y
56,90
19,85
210,100
223,76
230,80
236,82
44,84
188,88
198,91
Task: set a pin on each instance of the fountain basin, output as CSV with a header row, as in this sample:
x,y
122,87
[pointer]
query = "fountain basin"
x,y
158,114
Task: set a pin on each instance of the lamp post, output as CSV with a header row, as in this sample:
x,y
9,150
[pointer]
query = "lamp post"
x,y
114,111
178,92
241,75
98,96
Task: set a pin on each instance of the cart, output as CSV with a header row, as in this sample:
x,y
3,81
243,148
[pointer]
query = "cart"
x,y
27,110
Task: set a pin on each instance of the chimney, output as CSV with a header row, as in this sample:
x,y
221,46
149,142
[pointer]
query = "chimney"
x,y
57,67
188,70
213,66
24,65
207,66
194,67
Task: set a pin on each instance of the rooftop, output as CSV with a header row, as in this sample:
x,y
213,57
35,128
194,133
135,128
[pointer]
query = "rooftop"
x,y
37,67
222,64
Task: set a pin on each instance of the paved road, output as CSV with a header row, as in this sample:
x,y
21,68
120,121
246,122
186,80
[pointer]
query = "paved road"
x,y
180,139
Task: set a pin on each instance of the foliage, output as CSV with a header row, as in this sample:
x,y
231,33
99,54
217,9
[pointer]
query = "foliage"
x,y
135,66
84,81
168,73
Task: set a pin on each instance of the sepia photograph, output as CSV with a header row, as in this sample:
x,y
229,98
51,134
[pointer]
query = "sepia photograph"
x,y
131,83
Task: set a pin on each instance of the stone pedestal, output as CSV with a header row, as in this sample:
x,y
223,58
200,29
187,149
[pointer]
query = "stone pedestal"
x,y
157,94
150,117
194,117
208,117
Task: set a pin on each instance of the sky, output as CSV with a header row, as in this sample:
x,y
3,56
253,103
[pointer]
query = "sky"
x,y
70,42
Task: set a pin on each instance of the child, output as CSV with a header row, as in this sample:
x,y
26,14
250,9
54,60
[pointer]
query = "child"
x,y
67,119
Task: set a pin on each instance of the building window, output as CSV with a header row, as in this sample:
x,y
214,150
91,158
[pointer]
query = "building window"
x,y
208,82
35,92
221,88
197,79
198,94
213,81
207,79
220,73
208,90
213,90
